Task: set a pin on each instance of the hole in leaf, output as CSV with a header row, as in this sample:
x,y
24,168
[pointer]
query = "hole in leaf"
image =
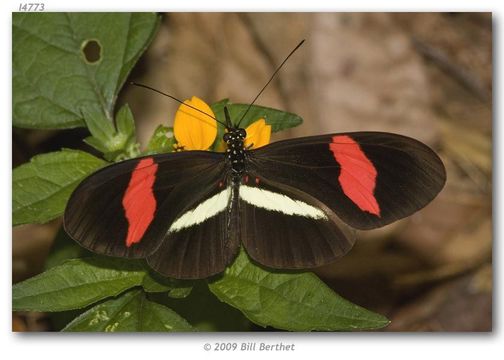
x,y
91,49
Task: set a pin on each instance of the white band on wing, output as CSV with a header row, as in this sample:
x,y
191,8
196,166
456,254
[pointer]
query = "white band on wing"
x,y
279,202
204,211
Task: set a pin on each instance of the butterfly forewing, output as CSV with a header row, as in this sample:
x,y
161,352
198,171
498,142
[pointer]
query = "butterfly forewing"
x,y
369,179
126,209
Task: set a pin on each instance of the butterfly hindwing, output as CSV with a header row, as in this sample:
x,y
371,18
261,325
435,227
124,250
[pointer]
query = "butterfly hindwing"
x,y
286,228
202,240
369,179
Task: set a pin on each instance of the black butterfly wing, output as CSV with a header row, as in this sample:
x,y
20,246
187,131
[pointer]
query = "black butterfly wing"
x,y
286,228
202,240
299,195
369,179
127,210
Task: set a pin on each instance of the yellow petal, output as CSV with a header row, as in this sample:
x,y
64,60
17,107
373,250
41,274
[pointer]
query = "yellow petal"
x,y
258,134
192,129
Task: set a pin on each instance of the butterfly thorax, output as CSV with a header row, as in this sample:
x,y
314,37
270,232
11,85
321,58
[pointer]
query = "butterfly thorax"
x,y
235,153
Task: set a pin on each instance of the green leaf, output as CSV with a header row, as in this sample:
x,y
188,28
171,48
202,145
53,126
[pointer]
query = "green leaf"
x,y
97,144
77,283
41,188
279,120
289,301
153,283
161,141
204,311
180,293
125,123
53,80
129,312
64,248
115,144
218,109
99,126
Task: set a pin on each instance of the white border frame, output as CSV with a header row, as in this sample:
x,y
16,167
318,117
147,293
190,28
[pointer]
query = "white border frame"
x,y
331,345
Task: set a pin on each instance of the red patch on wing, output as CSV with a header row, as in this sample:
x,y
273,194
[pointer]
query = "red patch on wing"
x,y
139,202
358,174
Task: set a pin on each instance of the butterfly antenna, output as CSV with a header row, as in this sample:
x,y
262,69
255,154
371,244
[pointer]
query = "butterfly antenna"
x,y
177,100
271,78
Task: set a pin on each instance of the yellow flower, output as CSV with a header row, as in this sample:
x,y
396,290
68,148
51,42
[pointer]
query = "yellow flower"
x,y
196,131
192,129
258,134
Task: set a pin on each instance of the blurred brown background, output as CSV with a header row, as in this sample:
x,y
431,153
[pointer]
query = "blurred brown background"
x,y
426,75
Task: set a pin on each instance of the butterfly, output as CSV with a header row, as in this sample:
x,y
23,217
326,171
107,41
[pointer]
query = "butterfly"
x,y
291,204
